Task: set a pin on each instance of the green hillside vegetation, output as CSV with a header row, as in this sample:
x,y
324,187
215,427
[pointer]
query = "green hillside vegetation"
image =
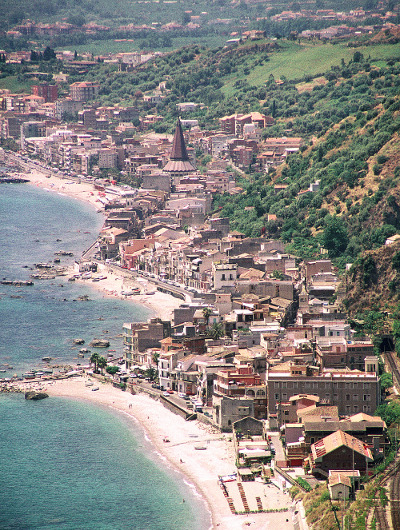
x,y
349,118
345,105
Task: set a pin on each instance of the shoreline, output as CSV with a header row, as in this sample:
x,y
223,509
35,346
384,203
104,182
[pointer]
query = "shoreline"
x,y
199,467
161,304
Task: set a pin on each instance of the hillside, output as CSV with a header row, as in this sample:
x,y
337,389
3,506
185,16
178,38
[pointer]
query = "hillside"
x,y
341,98
374,280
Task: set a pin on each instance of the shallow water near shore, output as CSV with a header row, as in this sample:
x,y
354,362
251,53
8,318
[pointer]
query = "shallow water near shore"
x,y
68,464
42,320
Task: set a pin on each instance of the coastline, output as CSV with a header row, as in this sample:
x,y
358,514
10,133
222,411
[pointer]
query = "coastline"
x,y
200,467
161,304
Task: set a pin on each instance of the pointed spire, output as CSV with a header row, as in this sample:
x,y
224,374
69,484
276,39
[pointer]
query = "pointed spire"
x,y
178,146
179,160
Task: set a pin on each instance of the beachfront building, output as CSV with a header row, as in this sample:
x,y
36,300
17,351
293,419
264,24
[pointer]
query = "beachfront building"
x,y
139,336
227,410
243,382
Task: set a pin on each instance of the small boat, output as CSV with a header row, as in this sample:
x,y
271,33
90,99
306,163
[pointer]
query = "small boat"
x,y
95,388
89,383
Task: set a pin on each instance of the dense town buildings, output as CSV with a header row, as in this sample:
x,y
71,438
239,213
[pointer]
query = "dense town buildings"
x,y
256,335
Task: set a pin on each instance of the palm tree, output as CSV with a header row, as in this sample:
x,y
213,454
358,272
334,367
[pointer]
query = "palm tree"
x,y
155,357
94,359
207,312
216,331
102,363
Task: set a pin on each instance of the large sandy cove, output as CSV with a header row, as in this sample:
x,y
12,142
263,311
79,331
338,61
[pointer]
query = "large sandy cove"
x,y
200,467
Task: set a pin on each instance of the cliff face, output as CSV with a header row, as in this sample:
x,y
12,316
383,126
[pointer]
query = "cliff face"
x,y
374,280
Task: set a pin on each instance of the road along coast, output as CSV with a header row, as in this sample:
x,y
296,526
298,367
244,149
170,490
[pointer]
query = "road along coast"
x,y
201,467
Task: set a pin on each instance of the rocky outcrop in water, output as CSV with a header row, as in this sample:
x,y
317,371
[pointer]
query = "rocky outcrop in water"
x,y
99,343
35,396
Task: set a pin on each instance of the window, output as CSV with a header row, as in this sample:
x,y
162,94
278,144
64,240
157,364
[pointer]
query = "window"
x,y
286,413
277,396
348,408
347,397
284,397
355,408
223,277
355,397
366,397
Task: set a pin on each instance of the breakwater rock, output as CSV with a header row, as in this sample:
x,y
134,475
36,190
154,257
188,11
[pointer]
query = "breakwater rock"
x,y
99,343
35,396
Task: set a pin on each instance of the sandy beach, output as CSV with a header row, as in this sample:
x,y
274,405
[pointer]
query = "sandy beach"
x,y
200,467
161,304
83,191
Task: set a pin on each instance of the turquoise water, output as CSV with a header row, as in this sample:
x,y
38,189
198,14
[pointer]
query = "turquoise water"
x,y
42,320
66,464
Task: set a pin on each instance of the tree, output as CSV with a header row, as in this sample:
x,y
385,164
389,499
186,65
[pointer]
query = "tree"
x,y
94,359
207,312
386,381
151,373
49,54
389,412
335,237
155,357
112,369
278,275
216,331
102,363
396,261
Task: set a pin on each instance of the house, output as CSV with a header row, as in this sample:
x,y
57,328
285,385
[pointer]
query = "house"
x,y
351,391
139,336
251,447
227,410
343,484
339,451
224,275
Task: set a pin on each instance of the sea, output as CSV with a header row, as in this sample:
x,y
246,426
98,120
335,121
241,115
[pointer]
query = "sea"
x,y
66,464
